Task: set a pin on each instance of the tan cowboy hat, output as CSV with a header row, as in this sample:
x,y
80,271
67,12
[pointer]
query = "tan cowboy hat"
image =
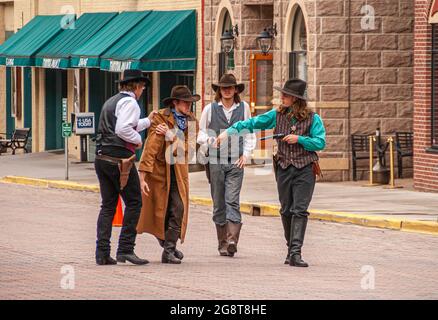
x,y
183,93
294,87
228,80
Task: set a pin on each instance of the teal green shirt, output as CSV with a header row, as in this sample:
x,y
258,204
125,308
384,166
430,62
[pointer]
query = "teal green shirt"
x,y
314,142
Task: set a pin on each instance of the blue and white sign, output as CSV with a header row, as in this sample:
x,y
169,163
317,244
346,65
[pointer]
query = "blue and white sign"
x,y
84,123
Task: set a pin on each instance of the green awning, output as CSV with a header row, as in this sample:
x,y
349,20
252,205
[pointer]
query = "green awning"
x,y
20,49
163,41
88,55
56,54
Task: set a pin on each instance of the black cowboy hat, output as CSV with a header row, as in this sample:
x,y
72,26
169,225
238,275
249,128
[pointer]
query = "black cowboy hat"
x,y
228,80
294,87
181,93
133,76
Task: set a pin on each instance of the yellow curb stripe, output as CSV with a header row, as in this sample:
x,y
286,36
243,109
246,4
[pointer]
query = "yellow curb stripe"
x,y
262,209
269,210
427,227
50,184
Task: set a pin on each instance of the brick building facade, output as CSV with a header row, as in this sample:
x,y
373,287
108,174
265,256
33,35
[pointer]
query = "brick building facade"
x,y
425,102
358,62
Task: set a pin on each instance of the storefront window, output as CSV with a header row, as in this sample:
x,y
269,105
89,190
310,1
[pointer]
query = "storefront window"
x,y
298,55
16,98
434,114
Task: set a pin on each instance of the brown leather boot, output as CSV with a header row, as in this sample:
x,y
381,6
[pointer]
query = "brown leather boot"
x,y
233,233
222,239
171,238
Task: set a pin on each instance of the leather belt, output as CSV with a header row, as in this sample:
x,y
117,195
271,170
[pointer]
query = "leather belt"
x,y
124,166
109,159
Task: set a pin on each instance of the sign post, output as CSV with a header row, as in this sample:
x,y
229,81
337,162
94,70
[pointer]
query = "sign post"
x,y
66,133
84,125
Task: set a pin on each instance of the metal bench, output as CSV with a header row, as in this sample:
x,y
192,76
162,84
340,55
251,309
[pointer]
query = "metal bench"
x,y
18,140
404,143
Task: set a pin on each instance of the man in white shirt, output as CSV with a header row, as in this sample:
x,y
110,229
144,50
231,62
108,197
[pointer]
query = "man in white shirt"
x,y
226,165
117,139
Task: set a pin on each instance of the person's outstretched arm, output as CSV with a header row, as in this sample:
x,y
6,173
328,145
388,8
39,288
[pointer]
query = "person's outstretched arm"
x,y
316,140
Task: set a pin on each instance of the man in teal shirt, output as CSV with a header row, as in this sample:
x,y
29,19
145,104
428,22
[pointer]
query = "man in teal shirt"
x,y
300,133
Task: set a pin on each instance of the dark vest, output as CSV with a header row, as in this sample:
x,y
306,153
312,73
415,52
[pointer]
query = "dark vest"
x,y
220,123
294,154
106,135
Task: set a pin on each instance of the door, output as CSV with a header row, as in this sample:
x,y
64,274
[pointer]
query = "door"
x,y
169,79
56,89
27,94
261,92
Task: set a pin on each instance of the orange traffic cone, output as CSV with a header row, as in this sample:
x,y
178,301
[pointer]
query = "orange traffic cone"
x,y
118,218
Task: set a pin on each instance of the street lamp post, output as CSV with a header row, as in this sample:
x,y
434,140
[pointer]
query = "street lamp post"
x,y
228,38
265,39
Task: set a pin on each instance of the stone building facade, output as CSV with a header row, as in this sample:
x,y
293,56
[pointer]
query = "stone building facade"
x,y
358,62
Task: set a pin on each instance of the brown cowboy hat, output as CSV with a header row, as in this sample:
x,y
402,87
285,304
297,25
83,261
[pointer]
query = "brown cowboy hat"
x,y
294,87
228,80
133,76
181,93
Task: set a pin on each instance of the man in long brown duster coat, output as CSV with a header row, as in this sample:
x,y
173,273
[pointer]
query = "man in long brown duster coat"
x,y
164,173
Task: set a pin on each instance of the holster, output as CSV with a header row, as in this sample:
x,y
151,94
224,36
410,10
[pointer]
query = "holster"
x,y
317,170
207,167
125,166
275,165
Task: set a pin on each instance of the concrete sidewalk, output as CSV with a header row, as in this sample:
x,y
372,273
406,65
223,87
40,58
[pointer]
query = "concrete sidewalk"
x,y
259,188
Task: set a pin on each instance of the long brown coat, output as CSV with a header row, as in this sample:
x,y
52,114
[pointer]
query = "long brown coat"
x,y
153,163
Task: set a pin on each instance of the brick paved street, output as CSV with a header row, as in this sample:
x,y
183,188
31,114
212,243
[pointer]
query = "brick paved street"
x,y
44,230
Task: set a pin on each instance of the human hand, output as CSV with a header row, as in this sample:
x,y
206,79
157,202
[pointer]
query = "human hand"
x,y
241,162
162,129
144,187
222,137
152,115
291,139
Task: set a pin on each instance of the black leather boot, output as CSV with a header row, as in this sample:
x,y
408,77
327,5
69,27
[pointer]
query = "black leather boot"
x,y
286,220
131,257
171,238
233,234
222,239
105,261
298,230
177,253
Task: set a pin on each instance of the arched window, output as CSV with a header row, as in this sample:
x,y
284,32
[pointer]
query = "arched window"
x,y
298,54
226,62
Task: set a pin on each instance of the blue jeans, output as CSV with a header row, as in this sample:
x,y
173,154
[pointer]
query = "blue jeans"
x,y
226,183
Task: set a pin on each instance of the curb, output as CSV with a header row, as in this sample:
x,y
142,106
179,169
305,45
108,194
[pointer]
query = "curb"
x,y
261,209
54,184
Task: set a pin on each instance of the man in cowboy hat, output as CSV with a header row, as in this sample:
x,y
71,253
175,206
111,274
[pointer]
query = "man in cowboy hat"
x,y
118,138
165,207
302,134
226,164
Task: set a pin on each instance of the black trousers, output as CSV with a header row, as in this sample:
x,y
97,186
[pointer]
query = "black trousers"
x,y
295,190
174,214
109,175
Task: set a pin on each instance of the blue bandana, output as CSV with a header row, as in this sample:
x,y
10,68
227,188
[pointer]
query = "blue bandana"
x,y
181,120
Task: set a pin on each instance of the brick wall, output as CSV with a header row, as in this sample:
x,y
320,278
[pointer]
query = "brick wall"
x,y
425,164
